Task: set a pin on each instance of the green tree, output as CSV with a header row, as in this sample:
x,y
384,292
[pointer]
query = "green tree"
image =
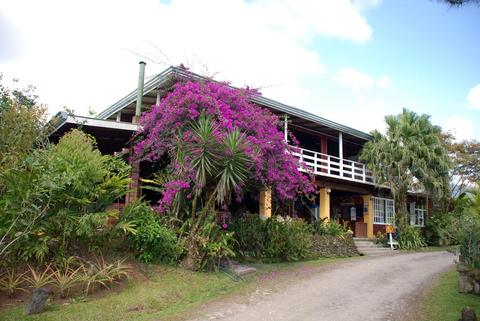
x,y
410,156
220,166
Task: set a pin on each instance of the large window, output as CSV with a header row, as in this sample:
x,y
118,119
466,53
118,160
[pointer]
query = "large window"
x,y
383,211
417,214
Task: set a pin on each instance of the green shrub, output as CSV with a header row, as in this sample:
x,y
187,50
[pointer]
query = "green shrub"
x,y
288,240
274,239
470,246
153,241
333,228
249,235
409,238
56,201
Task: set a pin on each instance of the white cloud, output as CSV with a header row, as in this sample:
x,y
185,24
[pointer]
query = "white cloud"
x,y
79,53
358,81
460,127
384,82
473,97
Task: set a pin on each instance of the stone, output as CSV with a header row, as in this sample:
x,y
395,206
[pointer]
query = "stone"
x,y
476,288
37,301
468,315
464,283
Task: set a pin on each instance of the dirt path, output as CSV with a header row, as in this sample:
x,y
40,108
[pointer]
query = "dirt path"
x,y
381,288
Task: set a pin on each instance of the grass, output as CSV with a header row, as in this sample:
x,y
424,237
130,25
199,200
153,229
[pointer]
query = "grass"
x,y
167,294
443,302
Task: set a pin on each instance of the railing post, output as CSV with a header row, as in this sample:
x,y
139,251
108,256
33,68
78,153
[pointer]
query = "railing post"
x,y
364,172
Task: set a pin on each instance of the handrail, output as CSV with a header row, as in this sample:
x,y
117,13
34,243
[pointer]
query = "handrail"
x,y
333,166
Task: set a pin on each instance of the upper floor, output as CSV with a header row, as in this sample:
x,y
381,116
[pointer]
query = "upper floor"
x,y
325,148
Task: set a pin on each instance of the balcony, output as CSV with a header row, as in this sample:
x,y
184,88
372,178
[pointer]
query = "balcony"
x,y
332,166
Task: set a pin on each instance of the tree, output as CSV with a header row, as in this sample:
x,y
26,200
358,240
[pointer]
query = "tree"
x,y
410,156
465,156
458,3
214,145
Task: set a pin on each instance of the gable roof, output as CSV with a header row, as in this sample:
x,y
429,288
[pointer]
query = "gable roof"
x,y
169,76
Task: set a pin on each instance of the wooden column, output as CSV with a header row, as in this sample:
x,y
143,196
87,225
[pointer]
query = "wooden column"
x,y
265,201
134,186
324,195
368,214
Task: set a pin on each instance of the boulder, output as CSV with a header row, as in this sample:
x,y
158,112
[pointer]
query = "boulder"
x,y
468,315
37,301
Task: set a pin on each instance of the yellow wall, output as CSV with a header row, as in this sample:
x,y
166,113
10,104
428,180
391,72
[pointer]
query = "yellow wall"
x,y
324,203
265,201
368,215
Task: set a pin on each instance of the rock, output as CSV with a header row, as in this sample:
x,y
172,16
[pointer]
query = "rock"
x,y
476,288
464,283
37,300
468,315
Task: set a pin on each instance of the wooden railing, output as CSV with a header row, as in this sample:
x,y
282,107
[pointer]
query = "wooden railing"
x,y
331,166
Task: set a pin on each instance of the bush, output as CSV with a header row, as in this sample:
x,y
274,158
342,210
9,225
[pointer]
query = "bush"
x,y
275,239
333,228
470,246
153,241
56,201
409,238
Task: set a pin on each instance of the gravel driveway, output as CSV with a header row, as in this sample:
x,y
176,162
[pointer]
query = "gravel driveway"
x,y
380,288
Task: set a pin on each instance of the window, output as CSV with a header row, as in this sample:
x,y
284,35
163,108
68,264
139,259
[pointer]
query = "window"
x,y
417,214
383,211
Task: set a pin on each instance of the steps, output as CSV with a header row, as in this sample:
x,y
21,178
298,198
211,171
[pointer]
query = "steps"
x,y
369,248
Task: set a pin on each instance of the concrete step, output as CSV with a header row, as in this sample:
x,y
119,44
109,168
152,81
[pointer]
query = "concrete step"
x,y
369,248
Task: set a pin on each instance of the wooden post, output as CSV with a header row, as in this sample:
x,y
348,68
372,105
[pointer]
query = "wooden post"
x,y
265,201
368,214
134,185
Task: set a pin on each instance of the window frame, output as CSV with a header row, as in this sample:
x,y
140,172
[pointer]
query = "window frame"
x,y
386,207
417,210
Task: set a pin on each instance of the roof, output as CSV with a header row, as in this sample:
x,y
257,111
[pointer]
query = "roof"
x,y
63,118
170,75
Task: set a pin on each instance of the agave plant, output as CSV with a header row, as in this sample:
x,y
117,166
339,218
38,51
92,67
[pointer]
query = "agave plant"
x,y
103,274
11,282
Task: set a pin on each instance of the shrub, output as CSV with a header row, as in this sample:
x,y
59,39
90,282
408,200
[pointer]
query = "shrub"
x,y
275,239
470,246
410,238
249,235
152,241
57,200
333,228
287,240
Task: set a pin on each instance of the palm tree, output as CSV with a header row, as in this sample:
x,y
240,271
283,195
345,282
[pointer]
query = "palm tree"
x,y
410,156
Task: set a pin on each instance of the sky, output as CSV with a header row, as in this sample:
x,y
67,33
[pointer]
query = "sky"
x,y
352,62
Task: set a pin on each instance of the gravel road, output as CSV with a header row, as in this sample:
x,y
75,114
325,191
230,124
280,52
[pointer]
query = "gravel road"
x,y
370,289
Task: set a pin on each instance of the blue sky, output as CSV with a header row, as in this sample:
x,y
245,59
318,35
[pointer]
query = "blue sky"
x,y
351,62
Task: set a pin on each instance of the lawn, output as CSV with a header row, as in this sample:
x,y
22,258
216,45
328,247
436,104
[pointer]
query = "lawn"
x,y
165,294
443,302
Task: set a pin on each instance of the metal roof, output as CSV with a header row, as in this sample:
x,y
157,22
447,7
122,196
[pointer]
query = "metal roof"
x,y
167,78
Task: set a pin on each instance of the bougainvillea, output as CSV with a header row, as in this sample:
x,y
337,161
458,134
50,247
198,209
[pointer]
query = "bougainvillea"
x,y
166,126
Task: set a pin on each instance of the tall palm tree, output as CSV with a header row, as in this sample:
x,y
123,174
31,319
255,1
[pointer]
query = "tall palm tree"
x,y
409,156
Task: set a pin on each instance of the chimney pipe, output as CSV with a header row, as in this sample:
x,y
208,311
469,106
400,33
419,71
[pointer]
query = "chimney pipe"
x,y
141,77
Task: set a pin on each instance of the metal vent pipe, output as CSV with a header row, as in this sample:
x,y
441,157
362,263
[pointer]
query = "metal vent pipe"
x,y
141,79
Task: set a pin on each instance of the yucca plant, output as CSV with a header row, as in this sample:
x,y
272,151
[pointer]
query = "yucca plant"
x,y
11,282
64,280
36,279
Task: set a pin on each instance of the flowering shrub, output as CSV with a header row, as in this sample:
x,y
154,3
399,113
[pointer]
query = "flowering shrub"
x,y
168,126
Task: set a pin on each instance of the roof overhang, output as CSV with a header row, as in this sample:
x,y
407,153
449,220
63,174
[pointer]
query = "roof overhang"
x,y
166,79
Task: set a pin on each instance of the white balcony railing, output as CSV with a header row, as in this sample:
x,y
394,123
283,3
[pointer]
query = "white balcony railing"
x,y
331,166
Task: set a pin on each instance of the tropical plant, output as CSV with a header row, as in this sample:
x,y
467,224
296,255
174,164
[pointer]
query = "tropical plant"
x,y
11,281
409,238
66,278
470,246
329,227
39,279
152,241
249,235
103,273
410,156
59,199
